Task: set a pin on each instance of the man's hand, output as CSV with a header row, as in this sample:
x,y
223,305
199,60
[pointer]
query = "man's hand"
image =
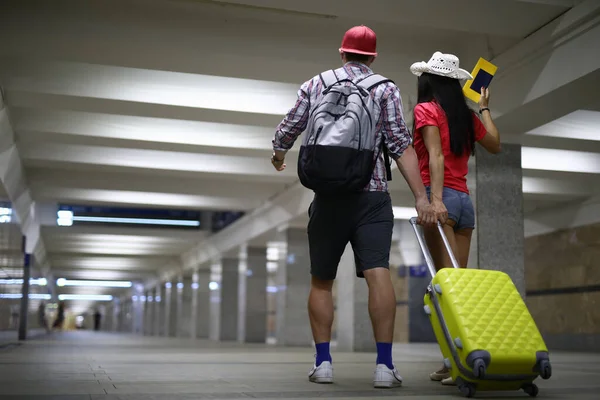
x,y
278,163
441,213
425,214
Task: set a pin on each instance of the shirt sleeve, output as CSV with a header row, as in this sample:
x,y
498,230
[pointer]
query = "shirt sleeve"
x,y
425,115
480,130
396,136
295,121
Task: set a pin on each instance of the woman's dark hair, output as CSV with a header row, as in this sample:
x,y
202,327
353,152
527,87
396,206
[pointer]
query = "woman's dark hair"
x,y
448,93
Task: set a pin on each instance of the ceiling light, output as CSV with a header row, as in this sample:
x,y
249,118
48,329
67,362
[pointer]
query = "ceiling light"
x,y
32,296
108,284
33,281
142,221
89,297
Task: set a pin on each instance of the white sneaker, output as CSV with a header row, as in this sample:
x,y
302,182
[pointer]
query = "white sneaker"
x,y
386,378
321,374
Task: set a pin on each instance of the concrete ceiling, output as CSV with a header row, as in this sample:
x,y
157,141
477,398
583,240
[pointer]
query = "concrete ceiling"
x,y
173,104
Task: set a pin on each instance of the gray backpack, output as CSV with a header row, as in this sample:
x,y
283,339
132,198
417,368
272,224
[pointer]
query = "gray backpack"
x,y
338,152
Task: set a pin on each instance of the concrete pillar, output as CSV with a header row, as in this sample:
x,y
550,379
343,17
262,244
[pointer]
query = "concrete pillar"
x,y
173,308
166,301
278,254
187,322
148,312
500,216
116,311
159,314
229,298
215,299
242,292
24,311
202,310
256,295
292,312
354,329
137,305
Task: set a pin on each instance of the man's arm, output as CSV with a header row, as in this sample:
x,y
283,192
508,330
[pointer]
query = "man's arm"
x,y
292,125
399,143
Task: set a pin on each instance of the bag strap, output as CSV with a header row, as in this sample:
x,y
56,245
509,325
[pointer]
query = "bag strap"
x,y
328,78
386,158
372,81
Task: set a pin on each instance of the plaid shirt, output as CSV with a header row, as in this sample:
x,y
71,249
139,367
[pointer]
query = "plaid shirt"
x,y
390,123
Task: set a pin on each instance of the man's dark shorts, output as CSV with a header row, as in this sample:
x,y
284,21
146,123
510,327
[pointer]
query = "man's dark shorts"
x,y
366,220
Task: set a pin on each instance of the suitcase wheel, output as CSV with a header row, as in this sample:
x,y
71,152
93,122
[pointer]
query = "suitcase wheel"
x,y
479,368
531,389
427,310
438,288
467,389
545,369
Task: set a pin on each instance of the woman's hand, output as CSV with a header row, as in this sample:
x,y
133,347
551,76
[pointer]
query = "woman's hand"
x,y
484,100
441,213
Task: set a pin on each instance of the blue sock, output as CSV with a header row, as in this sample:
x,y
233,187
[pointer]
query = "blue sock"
x,y
384,354
322,353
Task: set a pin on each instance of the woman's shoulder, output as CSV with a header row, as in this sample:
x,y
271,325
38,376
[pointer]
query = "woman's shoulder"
x,y
429,107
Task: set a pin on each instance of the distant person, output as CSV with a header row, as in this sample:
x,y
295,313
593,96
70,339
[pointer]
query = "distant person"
x,y
60,316
42,316
351,134
97,319
445,133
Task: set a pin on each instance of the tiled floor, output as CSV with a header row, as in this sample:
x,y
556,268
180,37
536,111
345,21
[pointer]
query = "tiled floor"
x,y
84,365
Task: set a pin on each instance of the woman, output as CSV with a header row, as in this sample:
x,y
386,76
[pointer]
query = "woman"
x,y
445,133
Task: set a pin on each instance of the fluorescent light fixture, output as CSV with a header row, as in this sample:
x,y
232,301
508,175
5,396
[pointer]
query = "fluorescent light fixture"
x,y
272,289
5,215
213,285
272,254
32,296
404,212
37,282
88,297
66,218
142,221
195,285
82,283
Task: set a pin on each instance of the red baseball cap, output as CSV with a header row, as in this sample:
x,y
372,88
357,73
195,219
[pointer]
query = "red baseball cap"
x,y
360,40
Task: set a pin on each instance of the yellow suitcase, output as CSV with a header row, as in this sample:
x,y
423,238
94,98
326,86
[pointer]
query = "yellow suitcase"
x,y
487,336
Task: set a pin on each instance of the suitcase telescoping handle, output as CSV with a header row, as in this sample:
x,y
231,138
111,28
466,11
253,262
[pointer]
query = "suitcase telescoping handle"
x,y
425,249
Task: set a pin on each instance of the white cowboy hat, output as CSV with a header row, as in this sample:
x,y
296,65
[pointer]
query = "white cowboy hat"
x,y
441,64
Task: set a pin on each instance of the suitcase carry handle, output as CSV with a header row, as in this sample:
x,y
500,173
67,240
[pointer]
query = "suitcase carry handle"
x,y
425,249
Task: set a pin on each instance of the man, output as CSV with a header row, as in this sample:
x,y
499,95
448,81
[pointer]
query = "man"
x,y
364,218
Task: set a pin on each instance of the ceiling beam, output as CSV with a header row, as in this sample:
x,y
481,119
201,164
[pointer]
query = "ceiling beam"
x,y
554,219
12,176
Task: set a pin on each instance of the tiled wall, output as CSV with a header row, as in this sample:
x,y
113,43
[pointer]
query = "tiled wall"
x,y
562,274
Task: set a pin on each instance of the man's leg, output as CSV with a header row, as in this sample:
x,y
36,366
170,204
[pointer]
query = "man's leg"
x,y
371,243
320,312
382,310
327,240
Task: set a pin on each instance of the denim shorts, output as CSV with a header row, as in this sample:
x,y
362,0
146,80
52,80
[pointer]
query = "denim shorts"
x,y
459,206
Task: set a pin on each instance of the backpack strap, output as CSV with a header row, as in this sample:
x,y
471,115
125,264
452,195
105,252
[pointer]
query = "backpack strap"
x,y
386,159
328,78
372,81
